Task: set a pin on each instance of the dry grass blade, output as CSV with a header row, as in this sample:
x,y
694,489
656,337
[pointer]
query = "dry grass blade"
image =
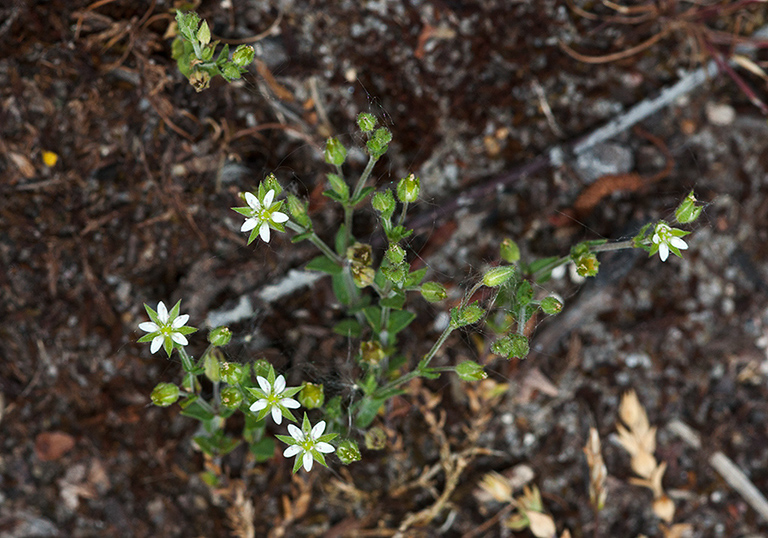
x,y
597,470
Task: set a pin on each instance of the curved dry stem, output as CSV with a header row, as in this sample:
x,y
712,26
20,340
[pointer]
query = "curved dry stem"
x,y
616,55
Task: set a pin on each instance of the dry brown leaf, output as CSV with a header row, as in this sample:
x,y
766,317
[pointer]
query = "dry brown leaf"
x,y
50,446
664,508
24,165
541,525
597,470
633,414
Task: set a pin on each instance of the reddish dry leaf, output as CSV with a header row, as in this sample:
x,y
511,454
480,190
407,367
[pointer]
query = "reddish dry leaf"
x,y
50,446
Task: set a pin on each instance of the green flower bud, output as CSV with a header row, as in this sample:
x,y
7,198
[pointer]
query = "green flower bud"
x,y
396,273
164,394
366,122
338,185
231,398
243,55
510,252
395,254
220,336
433,292
499,275
587,265
187,23
376,438
383,136
551,306
348,451
361,253
270,183
470,371
384,203
230,71
371,353
335,152
261,368
524,293
298,210
408,189
377,146
232,373
513,345
311,396
204,34
688,211
200,80
466,316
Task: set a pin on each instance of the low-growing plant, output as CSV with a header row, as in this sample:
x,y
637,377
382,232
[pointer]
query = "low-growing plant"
x,y
194,53
374,289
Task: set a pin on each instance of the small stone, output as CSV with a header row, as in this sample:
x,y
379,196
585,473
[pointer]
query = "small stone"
x,y
720,113
602,160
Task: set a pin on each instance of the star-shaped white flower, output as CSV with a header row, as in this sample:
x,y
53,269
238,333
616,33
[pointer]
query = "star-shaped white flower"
x,y
275,398
307,444
261,215
668,239
166,328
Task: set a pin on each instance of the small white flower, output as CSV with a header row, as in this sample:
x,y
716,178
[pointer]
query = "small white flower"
x,y
307,444
260,215
275,398
166,328
668,239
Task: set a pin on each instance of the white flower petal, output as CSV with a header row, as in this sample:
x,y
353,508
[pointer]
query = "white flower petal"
x,y
324,447
252,201
279,217
277,416
308,460
264,384
269,197
317,430
180,321
295,432
249,225
292,451
162,312
678,243
663,252
149,326
157,343
279,385
258,405
656,239
264,232
179,339
290,403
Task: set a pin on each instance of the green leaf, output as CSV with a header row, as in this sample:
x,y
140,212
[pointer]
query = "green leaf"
x,y
399,320
191,407
301,237
366,411
335,196
398,233
396,301
360,197
373,316
340,241
340,289
324,265
263,450
415,278
348,327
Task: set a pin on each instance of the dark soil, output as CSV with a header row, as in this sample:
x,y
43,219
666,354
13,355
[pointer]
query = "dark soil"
x,y
137,210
